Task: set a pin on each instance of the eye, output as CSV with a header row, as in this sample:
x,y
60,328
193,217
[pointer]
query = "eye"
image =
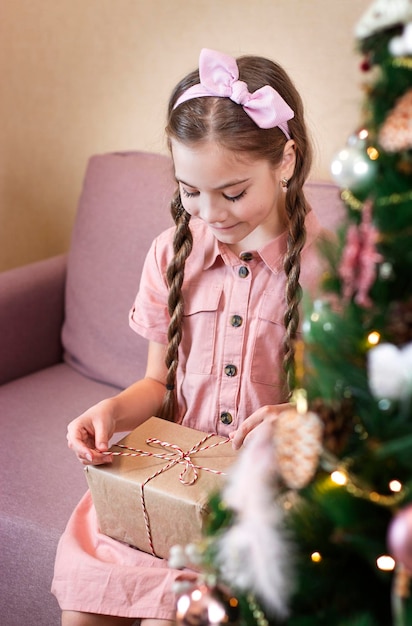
x,y
235,198
189,194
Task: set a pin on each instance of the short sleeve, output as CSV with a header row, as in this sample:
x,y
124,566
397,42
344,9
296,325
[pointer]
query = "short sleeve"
x,y
149,315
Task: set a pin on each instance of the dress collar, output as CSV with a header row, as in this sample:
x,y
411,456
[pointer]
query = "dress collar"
x,y
271,254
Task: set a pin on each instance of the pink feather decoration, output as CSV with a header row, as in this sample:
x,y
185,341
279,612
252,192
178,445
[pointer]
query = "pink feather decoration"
x,y
254,554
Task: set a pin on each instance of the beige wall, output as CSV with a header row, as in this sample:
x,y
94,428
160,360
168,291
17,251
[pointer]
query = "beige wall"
x,y
85,76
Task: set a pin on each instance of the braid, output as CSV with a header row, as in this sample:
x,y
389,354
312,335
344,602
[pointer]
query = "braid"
x,y
296,209
182,247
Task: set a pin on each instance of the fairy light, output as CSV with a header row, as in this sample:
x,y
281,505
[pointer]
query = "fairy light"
x,y
183,604
316,557
300,399
405,62
395,486
339,477
216,614
394,198
196,594
374,338
257,612
372,153
385,563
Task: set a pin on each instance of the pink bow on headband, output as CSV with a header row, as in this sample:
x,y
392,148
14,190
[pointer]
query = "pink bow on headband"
x,y
219,76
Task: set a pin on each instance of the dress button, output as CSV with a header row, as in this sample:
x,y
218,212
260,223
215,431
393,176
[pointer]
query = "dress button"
x,y
236,321
226,418
246,256
230,370
243,272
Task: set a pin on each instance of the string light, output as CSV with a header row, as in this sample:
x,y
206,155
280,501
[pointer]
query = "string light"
x,y
373,154
374,338
339,477
351,200
316,557
395,486
403,62
385,563
257,612
196,594
394,198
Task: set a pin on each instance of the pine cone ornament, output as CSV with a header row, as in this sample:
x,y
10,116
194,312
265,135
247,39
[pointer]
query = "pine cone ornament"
x,y
338,422
396,133
298,444
399,322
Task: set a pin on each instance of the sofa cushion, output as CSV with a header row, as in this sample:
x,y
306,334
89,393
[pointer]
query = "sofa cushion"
x,y
324,197
41,482
124,204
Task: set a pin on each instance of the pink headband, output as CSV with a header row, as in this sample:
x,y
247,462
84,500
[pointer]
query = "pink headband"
x,y
219,76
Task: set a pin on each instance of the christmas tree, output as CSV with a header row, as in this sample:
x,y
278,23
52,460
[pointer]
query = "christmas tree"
x,y
325,536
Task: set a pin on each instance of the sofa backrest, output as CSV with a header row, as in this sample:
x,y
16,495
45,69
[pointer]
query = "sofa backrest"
x,y
124,204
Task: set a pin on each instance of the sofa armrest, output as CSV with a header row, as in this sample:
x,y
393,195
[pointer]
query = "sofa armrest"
x,y
31,317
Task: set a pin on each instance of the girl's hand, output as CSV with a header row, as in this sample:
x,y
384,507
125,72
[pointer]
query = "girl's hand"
x,y
88,435
265,413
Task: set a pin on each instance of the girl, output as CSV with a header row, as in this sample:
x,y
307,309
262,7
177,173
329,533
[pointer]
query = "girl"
x,y
218,302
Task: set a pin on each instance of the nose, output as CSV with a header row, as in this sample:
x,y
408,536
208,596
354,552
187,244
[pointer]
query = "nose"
x,y
210,210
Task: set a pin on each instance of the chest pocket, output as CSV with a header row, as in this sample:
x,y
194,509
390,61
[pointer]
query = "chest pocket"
x,y
200,327
267,358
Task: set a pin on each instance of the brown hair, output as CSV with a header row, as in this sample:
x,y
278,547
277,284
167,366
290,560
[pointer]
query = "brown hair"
x,y
221,120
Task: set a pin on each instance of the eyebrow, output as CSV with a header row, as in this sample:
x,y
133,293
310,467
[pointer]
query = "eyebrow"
x,y
224,186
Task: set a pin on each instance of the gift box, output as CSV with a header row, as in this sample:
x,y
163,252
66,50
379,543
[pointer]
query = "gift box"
x,y
154,495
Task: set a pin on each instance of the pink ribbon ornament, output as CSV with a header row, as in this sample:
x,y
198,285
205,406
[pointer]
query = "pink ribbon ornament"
x,y
219,77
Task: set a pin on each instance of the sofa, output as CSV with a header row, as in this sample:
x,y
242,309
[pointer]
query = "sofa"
x,y
65,345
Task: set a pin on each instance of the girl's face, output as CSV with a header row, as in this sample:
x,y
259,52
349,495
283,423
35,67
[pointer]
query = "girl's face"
x,y
240,199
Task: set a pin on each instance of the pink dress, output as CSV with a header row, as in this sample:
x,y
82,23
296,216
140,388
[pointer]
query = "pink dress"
x,y
230,364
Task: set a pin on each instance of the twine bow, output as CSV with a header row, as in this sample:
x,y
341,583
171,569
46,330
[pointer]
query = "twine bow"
x,y
176,456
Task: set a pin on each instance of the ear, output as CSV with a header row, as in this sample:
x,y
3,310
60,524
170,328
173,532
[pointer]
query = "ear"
x,y
289,160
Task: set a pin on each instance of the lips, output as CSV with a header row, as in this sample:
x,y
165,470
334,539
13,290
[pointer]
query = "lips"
x,y
224,228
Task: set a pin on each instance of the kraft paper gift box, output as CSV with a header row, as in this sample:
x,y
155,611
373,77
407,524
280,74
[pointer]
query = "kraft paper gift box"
x,y
171,512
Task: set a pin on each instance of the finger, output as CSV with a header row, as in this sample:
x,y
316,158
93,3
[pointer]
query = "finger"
x,y
95,458
268,412
81,450
238,436
101,438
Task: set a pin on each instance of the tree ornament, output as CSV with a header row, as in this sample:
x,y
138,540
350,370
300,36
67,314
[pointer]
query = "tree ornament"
x,y
358,266
381,15
298,442
402,45
365,65
207,605
400,537
396,132
390,371
352,167
338,422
